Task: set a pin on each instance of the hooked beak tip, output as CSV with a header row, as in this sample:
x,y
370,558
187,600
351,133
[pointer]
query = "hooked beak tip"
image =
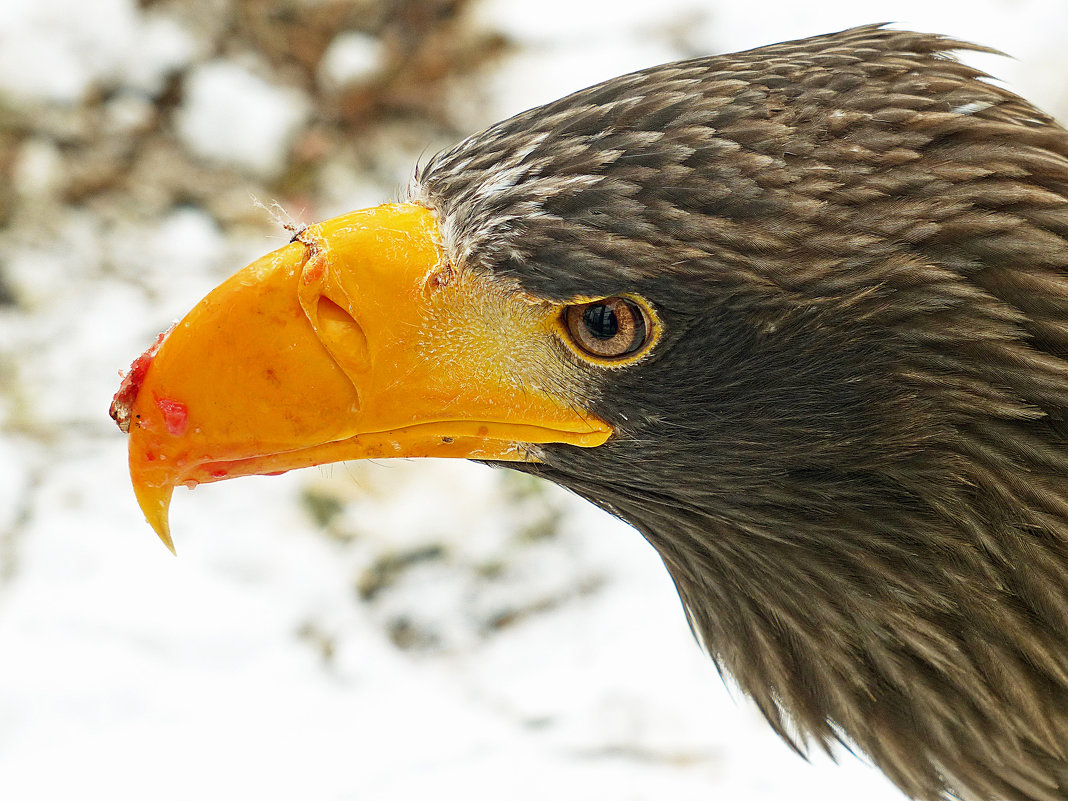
x,y
165,538
155,502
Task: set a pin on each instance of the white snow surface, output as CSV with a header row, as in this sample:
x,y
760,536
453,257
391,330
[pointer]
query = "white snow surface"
x,y
232,115
248,667
352,57
60,49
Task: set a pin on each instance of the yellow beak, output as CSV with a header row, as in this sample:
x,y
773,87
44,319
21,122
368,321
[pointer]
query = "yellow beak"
x,y
357,340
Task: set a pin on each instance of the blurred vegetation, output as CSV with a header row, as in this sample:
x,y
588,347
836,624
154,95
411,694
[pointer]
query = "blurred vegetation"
x,y
117,153
516,562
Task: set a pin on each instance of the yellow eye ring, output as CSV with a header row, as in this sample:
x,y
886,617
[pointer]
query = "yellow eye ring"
x,y
611,332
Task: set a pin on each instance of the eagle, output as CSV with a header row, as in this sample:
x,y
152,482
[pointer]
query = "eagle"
x,y
799,315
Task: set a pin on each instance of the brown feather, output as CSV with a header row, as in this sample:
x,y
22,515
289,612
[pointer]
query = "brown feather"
x,y
851,445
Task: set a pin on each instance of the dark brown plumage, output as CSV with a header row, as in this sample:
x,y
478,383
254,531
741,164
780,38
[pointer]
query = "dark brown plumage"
x,y
851,446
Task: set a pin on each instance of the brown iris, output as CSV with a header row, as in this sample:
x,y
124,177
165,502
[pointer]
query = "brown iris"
x,y
608,328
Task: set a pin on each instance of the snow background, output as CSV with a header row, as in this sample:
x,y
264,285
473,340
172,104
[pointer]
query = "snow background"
x,y
391,630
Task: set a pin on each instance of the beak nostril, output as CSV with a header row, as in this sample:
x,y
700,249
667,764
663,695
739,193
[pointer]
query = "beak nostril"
x,y
328,310
342,336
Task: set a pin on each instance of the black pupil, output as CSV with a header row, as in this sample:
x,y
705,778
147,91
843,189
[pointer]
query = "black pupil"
x,y
600,320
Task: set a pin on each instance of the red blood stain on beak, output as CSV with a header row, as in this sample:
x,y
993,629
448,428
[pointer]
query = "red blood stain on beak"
x,y
122,404
175,415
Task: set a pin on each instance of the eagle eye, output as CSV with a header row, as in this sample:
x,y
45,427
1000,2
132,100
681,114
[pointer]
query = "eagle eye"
x,y
611,328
